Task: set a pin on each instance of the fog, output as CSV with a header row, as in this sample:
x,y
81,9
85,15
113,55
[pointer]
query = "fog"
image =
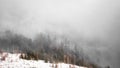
x,y
89,20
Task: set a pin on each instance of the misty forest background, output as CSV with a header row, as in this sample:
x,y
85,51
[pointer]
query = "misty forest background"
x,y
85,31
48,47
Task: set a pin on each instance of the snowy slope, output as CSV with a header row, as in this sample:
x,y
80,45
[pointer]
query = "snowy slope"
x,y
8,60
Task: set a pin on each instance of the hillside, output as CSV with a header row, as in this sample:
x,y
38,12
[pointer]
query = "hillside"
x,y
45,47
8,60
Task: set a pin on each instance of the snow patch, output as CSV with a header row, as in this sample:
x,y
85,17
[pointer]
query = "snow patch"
x,y
8,60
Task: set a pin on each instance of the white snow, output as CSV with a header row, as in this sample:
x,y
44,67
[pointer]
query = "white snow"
x,y
13,61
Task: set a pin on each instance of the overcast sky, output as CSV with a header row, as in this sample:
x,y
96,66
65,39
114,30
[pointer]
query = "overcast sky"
x,y
87,18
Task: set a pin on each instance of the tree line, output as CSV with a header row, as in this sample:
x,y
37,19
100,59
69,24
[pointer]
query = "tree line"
x,y
46,47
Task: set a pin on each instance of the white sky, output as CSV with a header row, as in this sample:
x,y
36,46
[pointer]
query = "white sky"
x,y
86,17
89,18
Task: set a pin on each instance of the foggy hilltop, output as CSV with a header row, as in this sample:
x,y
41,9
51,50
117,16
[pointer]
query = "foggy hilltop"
x,y
91,25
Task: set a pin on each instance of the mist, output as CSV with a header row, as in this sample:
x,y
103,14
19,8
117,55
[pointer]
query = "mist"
x,y
95,22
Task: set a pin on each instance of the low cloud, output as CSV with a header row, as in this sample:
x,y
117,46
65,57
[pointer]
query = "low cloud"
x,y
87,19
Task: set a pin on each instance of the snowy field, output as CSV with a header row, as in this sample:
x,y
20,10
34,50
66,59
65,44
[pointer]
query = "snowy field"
x,y
8,60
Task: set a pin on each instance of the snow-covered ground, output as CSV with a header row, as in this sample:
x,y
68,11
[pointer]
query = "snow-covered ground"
x,y
8,60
